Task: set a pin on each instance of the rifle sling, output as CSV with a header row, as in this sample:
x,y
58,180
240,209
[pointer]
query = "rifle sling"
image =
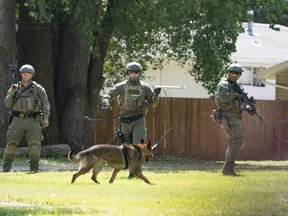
x,y
237,88
16,97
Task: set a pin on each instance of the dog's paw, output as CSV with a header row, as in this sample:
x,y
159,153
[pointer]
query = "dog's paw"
x,y
152,183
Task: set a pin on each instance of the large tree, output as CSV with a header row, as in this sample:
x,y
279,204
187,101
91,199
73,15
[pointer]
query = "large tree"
x,y
7,49
78,44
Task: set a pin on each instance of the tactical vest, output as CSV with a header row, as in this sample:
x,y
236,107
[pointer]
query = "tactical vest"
x,y
26,101
231,106
133,97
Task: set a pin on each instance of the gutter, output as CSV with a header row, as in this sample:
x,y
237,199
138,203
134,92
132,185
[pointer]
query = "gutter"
x,y
272,72
273,84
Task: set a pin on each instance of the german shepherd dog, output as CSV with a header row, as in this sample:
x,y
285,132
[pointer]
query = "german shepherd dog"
x,y
117,157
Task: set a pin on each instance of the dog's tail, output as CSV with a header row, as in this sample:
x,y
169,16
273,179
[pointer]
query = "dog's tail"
x,y
73,158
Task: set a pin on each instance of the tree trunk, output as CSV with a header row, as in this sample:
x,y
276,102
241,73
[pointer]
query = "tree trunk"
x,y
71,89
35,48
7,49
95,72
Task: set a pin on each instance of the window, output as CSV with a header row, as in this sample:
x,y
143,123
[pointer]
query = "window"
x,y
249,77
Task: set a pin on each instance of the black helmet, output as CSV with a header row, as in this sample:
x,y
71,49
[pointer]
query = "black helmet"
x,y
235,68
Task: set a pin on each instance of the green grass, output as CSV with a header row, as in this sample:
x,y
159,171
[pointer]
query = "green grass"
x,y
183,187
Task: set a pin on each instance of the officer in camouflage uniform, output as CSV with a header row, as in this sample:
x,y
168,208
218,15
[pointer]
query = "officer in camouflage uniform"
x,y
135,98
30,109
230,105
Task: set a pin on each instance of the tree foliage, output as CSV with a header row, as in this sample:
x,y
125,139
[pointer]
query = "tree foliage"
x,y
151,31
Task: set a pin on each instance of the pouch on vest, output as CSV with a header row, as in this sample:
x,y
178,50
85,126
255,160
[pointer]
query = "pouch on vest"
x,y
133,95
30,104
216,115
131,104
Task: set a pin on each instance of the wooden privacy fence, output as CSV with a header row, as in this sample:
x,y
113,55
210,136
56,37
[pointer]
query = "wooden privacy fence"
x,y
195,135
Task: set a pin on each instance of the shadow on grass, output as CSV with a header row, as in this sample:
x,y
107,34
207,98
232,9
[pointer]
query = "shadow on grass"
x,y
21,210
157,164
259,166
180,164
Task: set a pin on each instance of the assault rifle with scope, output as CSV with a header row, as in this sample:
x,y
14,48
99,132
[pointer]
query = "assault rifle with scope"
x,y
14,70
250,103
15,78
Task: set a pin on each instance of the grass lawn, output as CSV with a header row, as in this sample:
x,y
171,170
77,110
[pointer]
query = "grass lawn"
x,y
183,187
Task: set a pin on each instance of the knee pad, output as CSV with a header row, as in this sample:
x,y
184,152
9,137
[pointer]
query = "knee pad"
x,y
11,148
239,142
34,149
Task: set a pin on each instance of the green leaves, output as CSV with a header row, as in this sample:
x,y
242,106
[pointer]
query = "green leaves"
x,y
151,31
205,31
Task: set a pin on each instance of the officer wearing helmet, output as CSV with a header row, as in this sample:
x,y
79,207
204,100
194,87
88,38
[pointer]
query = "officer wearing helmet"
x,y
30,110
135,97
230,105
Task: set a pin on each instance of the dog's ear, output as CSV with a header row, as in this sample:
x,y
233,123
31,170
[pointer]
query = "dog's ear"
x,y
142,141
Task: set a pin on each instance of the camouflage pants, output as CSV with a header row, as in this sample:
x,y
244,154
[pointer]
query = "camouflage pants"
x,y
134,131
31,129
231,123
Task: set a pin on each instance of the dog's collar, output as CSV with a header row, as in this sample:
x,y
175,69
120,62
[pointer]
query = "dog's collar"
x,y
139,151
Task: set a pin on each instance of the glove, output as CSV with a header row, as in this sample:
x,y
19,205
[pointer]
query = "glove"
x,y
45,123
13,88
157,91
105,105
250,110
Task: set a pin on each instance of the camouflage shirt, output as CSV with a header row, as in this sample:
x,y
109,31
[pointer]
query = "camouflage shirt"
x,y
27,100
226,98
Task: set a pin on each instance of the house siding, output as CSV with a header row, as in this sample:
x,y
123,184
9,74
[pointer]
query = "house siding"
x,y
282,93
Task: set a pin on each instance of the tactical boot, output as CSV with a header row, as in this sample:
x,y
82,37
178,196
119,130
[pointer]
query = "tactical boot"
x,y
7,162
228,169
33,164
34,157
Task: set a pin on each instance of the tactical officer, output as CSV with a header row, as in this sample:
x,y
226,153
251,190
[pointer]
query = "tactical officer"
x,y
230,105
135,98
30,109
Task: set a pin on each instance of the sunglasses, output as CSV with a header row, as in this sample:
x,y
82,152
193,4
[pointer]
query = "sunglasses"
x,y
235,73
136,72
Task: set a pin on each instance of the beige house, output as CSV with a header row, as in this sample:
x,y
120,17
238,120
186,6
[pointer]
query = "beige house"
x,y
263,53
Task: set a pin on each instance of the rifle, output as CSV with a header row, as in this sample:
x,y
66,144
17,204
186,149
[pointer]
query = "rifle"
x,y
250,103
15,78
14,70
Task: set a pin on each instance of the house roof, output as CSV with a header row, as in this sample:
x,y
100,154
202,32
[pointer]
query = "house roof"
x,y
265,47
271,72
